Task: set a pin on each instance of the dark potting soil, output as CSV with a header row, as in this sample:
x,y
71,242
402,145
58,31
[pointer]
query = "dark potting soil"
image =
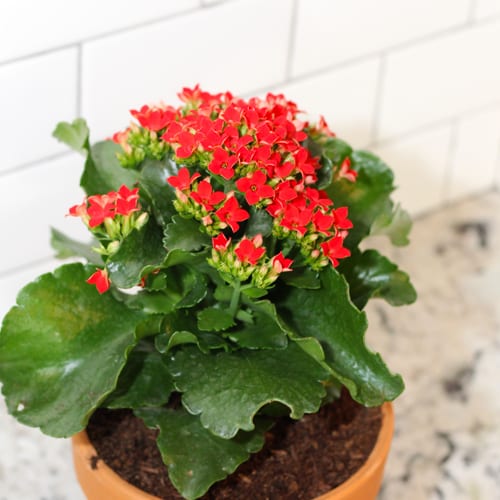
x,y
301,459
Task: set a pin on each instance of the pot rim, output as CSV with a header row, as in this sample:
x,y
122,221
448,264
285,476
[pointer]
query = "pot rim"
x,y
375,461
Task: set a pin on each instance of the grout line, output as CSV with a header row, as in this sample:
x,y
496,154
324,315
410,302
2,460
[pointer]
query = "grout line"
x,y
496,180
451,153
100,36
291,39
395,48
471,16
455,202
32,164
23,267
79,67
434,125
379,87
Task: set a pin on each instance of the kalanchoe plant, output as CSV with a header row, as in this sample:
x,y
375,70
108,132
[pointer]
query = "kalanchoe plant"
x,y
228,273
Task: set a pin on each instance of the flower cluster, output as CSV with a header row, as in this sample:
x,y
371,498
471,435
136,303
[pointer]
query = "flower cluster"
x,y
246,259
110,217
240,157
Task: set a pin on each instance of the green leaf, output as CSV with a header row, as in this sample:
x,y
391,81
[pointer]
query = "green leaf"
x,y
164,342
188,283
260,222
62,349
328,315
333,151
103,172
195,457
156,190
184,234
75,135
214,319
254,292
229,388
265,332
175,257
302,278
369,274
144,382
181,328
140,251
68,247
395,225
366,198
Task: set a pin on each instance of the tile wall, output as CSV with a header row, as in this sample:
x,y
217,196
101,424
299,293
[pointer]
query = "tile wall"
x,y
416,81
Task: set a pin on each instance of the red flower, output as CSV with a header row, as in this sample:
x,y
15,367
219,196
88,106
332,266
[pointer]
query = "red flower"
x,y
231,213
334,250
100,279
187,144
318,198
341,220
255,187
220,242
346,171
250,251
183,179
101,206
206,197
296,219
126,201
322,222
154,118
281,264
79,210
223,164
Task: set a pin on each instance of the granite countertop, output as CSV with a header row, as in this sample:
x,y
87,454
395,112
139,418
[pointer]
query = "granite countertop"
x,y
446,346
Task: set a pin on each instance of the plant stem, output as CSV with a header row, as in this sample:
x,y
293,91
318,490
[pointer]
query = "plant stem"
x,y
235,299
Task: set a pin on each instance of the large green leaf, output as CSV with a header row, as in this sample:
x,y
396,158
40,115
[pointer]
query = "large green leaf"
x,y
367,198
195,457
140,251
103,172
68,247
229,388
62,349
329,315
145,381
369,274
184,234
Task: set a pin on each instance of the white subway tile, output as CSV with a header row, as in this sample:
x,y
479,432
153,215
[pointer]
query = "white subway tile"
x,y
440,79
35,95
420,165
31,201
345,97
476,154
331,31
28,26
486,8
11,284
233,46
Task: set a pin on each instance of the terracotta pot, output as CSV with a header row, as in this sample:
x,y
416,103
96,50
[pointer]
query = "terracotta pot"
x,y
101,482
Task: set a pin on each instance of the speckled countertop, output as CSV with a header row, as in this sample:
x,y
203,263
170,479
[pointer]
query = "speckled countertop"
x,y
446,346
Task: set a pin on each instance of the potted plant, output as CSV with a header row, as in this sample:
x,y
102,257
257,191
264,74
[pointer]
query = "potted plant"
x,y
223,288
